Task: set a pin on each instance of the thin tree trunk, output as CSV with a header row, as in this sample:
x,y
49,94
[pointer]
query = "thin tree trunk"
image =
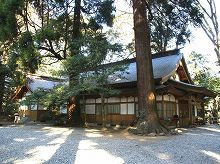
x,y
103,111
148,120
2,85
2,82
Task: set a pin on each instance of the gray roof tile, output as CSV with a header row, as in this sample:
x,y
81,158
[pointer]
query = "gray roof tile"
x,y
163,68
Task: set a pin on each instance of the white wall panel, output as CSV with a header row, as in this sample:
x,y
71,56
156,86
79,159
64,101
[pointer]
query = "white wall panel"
x,y
88,101
130,99
90,109
169,98
98,100
113,99
136,99
130,108
159,98
123,109
124,99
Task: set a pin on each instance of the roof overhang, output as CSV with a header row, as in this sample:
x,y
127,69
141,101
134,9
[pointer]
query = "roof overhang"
x,y
20,92
191,88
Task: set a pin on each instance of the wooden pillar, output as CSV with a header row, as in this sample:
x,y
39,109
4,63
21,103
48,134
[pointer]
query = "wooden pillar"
x,y
84,108
203,111
163,105
190,110
37,110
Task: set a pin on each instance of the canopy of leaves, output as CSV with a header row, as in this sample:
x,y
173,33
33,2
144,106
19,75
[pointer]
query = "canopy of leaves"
x,y
202,73
48,32
170,23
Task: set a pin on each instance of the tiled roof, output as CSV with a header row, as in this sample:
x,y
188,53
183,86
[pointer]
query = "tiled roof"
x,y
164,66
36,82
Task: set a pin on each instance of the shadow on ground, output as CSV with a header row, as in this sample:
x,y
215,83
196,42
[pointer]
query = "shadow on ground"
x,y
44,144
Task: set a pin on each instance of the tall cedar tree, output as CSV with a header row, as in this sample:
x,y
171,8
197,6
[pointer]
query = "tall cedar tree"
x,y
148,121
171,19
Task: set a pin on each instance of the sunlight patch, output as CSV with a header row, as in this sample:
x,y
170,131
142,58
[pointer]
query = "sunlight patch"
x,y
41,154
55,131
32,138
92,130
93,135
19,139
91,152
163,156
211,129
87,145
214,155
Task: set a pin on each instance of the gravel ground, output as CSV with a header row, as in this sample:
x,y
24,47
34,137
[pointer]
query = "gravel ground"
x,y
52,145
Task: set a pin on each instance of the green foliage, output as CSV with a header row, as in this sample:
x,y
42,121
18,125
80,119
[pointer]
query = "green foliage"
x,y
50,34
8,21
102,15
171,20
28,55
202,72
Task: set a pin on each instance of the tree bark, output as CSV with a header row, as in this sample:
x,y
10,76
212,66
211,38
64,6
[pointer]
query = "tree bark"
x,y
73,111
2,86
148,121
103,111
2,81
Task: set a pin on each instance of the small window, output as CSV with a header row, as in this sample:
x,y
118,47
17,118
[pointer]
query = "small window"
x,y
160,109
130,108
90,109
170,109
166,111
113,108
98,109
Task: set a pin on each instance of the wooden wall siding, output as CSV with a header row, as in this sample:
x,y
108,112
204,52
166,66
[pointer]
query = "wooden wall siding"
x,y
127,119
120,119
129,109
184,113
125,116
40,113
24,112
91,118
34,107
34,115
110,119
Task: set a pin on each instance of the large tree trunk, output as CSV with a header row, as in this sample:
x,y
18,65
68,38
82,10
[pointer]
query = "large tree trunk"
x,y
73,111
148,121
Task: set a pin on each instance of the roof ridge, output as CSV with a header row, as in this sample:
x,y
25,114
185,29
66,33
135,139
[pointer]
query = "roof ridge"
x,y
154,56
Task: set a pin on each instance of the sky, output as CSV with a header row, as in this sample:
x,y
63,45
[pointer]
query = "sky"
x,y
199,42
